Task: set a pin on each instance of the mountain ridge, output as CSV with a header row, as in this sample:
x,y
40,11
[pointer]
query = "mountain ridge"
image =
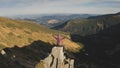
x,y
44,19
88,26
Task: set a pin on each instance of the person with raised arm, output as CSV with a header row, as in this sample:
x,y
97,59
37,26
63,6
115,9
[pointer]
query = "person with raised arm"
x,y
59,39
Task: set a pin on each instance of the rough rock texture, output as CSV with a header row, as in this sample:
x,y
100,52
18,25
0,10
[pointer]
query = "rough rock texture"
x,y
57,59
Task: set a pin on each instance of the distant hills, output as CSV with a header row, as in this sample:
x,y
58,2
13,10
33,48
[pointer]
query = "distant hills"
x,y
104,16
52,19
90,25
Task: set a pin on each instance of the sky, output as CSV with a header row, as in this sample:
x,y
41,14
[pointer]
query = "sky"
x,y
21,7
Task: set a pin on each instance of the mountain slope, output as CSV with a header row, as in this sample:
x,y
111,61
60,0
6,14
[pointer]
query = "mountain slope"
x,y
21,33
89,26
103,48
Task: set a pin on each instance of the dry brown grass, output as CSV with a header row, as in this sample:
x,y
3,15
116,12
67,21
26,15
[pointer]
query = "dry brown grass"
x,y
22,33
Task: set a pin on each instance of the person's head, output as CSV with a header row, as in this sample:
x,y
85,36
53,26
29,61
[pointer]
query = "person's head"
x,y
58,35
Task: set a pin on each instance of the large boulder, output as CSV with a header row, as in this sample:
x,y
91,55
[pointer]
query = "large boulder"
x,y
57,59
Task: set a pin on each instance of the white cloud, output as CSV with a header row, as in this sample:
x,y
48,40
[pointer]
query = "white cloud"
x,y
11,7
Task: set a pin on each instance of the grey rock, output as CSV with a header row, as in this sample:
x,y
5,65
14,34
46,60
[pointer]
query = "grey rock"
x,y
57,59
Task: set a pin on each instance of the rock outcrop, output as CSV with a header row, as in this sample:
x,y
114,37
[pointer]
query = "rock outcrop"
x,y
57,59
3,52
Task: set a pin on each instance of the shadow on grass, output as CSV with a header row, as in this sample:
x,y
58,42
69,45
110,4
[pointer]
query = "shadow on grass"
x,y
25,57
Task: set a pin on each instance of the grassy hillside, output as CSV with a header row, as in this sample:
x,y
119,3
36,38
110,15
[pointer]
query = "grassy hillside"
x,y
91,25
21,33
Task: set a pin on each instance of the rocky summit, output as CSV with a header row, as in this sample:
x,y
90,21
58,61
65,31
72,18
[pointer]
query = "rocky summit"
x,y
57,59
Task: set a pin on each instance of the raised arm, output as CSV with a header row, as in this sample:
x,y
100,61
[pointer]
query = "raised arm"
x,y
65,38
54,36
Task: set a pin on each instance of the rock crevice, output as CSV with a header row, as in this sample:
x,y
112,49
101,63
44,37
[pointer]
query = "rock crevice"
x,y
57,59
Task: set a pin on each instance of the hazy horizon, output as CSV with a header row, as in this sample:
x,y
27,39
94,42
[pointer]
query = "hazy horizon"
x,y
24,7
